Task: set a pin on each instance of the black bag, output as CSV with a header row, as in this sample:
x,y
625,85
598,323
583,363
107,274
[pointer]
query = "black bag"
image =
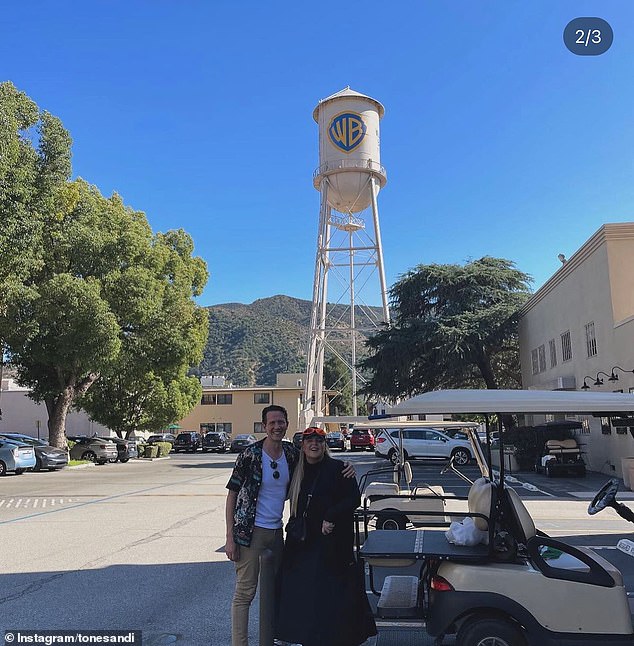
x,y
296,528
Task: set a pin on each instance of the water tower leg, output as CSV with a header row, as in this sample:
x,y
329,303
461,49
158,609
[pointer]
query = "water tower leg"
x,y
379,251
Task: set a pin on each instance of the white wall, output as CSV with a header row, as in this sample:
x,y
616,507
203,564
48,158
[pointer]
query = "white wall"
x,y
21,415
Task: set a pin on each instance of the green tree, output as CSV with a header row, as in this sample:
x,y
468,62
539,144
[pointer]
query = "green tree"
x,y
454,326
103,290
337,377
34,167
146,386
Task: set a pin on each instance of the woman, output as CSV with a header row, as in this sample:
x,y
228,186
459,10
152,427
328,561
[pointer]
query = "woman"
x,y
318,571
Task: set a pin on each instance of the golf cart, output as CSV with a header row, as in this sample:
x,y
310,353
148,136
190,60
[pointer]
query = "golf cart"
x,y
558,450
518,587
394,504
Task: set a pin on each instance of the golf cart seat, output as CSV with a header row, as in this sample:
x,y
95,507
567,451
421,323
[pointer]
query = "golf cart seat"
x,y
480,500
375,489
561,447
521,516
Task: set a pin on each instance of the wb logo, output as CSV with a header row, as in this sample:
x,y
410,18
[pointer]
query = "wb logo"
x,y
346,131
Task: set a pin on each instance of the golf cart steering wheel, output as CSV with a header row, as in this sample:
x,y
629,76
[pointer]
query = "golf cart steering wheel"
x,y
606,497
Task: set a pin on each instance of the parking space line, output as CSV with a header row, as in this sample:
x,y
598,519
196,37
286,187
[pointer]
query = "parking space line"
x,y
97,500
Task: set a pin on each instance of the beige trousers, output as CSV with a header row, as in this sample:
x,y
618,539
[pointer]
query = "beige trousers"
x,y
247,573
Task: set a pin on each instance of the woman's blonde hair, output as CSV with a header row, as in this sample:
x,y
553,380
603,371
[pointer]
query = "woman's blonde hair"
x,y
298,476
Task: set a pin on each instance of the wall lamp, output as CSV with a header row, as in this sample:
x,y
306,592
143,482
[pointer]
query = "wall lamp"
x,y
597,380
585,385
614,376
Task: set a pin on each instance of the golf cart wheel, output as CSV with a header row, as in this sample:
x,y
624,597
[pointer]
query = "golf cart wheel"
x,y
391,520
548,471
89,455
461,457
490,632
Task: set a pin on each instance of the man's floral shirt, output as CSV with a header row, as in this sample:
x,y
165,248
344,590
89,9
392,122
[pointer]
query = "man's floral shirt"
x,y
246,480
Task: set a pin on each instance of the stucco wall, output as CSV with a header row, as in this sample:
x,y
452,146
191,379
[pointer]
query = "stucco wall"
x,y
596,284
21,415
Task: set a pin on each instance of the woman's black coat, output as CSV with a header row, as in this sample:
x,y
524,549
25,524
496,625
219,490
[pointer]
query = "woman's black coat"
x,y
315,588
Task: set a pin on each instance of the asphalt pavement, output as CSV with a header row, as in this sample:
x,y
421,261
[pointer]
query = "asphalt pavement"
x,y
139,546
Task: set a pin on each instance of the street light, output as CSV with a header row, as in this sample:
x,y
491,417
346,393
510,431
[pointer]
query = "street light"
x,y
614,376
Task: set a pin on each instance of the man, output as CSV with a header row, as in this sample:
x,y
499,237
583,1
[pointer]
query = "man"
x,y
258,488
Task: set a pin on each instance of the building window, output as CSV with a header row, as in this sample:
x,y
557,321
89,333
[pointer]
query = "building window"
x,y
224,399
553,353
262,398
541,352
257,427
224,426
566,346
208,399
534,361
591,341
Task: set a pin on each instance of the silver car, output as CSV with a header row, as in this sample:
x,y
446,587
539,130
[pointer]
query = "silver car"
x,y
95,449
46,456
15,456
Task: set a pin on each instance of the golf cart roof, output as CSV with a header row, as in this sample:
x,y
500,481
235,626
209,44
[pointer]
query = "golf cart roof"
x,y
394,423
514,401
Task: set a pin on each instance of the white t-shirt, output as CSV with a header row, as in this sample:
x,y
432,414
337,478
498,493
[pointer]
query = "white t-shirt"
x,y
270,503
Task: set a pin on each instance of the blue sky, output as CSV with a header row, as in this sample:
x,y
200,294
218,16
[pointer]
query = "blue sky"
x,y
496,139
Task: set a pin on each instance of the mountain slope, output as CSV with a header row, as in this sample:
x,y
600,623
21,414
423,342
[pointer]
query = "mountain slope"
x,y
250,344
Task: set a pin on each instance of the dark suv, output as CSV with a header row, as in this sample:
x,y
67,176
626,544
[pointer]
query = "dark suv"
x,y
126,449
216,441
188,441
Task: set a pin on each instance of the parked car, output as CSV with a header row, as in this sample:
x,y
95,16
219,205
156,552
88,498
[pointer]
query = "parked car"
x,y
216,441
189,441
297,439
94,449
336,440
240,442
126,449
428,443
46,456
161,437
361,439
15,456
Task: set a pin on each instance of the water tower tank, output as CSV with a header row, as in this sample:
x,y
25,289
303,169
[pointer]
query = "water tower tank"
x,y
349,151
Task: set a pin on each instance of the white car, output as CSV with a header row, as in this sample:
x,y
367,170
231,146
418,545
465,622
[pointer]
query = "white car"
x,y
428,443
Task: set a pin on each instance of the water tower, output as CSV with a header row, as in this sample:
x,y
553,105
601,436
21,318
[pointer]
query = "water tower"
x,y
349,253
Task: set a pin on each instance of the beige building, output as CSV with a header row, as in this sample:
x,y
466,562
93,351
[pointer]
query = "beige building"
x,y
238,410
579,326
